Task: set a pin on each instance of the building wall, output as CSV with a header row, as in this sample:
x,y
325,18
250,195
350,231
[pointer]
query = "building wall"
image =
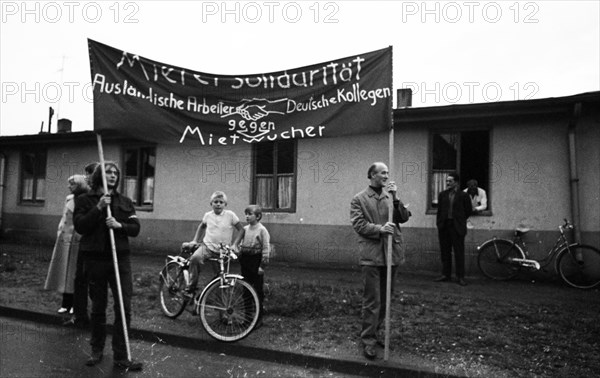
x,y
529,187
63,161
588,164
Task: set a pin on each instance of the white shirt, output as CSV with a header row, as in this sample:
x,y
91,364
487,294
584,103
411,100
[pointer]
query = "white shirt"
x,y
479,202
219,228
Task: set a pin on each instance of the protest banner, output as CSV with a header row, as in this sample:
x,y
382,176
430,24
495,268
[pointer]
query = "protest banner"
x,y
158,102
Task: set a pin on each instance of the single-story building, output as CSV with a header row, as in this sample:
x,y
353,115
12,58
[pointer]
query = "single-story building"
x,y
538,161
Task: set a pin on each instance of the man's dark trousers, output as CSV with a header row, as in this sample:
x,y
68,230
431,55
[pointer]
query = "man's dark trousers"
x,y
101,275
450,240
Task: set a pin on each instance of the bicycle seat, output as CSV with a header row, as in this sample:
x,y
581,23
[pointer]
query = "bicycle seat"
x,y
521,230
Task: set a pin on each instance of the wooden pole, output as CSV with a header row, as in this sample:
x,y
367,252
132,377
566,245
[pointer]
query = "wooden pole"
x,y
111,233
388,286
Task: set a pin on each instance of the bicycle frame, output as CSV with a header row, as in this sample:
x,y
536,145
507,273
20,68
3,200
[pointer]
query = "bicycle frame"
x,y
228,306
517,242
559,245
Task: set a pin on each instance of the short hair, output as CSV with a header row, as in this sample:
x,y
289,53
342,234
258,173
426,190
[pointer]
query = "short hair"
x,y
373,168
472,182
80,182
254,209
90,168
455,176
96,179
218,194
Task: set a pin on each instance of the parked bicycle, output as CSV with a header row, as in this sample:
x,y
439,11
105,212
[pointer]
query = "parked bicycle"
x,y
578,265
228,306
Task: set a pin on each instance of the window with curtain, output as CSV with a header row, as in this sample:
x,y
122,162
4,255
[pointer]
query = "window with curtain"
x,y
138,175
274,175
465,152
33,177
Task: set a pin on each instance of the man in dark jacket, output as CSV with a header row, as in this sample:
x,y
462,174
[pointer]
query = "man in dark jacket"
x,y
91,221
454,207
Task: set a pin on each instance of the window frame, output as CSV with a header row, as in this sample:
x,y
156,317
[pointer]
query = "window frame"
x,y
138,200
431,209
275,175
22,156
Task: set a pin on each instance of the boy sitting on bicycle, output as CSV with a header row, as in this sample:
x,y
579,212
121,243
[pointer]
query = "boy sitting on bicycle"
x,y
216,227
254,249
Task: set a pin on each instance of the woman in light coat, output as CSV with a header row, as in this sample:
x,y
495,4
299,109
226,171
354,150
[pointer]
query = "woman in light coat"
x,y
61,273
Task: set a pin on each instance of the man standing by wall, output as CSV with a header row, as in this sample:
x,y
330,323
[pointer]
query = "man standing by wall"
x,y
454,207
369,212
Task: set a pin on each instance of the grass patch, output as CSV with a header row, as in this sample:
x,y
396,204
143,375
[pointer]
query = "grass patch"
x,y
474,332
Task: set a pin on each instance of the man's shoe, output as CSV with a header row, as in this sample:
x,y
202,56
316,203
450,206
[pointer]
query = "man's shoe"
x,y
369,352
94,359
128,365
462,282
442,279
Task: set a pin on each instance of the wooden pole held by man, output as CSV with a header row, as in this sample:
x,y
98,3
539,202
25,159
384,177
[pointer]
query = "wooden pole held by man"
x,y
113,246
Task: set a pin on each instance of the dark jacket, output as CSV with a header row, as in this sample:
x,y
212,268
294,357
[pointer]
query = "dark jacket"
x,y
368,213
461,210
91,224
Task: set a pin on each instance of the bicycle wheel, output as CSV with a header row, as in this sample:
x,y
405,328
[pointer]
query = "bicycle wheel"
x,y
495,259
171,287
229,312
579,266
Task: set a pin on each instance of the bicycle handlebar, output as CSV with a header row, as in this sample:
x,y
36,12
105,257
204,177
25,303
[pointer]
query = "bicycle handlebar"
x,y
566,226
224,250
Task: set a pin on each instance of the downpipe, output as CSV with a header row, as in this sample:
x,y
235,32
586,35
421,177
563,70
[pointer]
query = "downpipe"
x,y
574,178
2,184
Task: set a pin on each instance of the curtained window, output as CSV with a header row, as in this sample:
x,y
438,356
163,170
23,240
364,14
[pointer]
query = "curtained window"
x,y
274,175
138,175
33,177
465,152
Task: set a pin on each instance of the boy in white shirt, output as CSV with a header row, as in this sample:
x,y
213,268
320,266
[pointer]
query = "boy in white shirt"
x,y
217,227
254,250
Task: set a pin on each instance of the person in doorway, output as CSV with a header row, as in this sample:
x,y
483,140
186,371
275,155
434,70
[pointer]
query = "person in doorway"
x,y
369,211
454,207
477,195
61,273
93,223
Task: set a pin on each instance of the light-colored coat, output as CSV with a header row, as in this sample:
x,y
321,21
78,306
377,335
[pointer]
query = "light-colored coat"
x,y
368,213
61,273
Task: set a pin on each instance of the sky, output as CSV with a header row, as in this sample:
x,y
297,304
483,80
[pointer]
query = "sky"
x,y
447,52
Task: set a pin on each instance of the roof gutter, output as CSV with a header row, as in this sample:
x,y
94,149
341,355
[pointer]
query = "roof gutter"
x,y
574,178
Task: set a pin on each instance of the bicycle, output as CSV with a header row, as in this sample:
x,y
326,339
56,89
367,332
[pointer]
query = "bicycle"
x,y
578,265
228,305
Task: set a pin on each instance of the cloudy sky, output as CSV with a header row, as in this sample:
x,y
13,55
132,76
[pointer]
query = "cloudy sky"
x,y
447,52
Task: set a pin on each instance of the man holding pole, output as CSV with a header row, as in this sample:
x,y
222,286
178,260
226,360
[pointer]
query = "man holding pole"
x,y
369,214
98,231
